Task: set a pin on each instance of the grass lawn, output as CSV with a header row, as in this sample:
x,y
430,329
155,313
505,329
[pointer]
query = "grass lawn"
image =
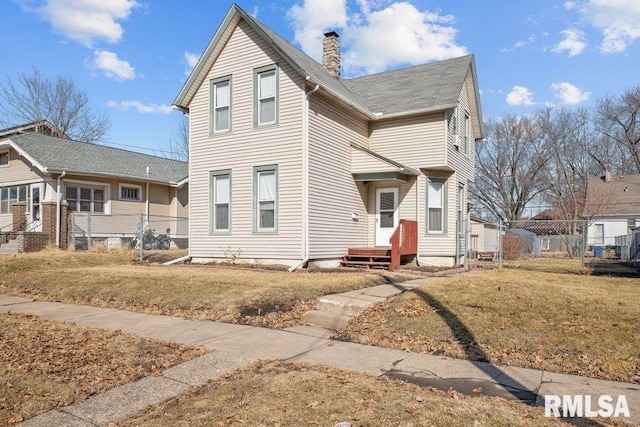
x,y
287,394
560,322
111,279
46,364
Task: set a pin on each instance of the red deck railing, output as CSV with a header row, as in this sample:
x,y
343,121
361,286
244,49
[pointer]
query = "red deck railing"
x,y
404,241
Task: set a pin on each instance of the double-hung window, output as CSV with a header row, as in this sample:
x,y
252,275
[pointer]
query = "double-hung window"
x,y
265,198
467,133
11,195
598,234
266,95
436,207
83,198
221,105
220,186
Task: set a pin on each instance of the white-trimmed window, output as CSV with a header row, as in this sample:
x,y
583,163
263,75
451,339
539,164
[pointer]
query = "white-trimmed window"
x,y
467,133
265,95
454,121
220,188
265,180
85,198
129,192
221,105
4,158
598,234
11,195
436,207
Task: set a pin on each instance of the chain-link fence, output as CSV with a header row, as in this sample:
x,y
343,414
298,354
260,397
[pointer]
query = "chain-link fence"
x,y
135,231
593,242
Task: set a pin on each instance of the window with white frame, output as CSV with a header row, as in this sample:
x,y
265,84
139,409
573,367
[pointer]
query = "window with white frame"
x,y
266,95
221,105
598,234
436,211
84,198
467,133
11,195
4,158
130,192
220,190
266,198
454,121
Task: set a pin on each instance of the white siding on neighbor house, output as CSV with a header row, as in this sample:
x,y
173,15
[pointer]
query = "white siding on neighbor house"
x,y
333,194
244,148
416,142
406,202
612,228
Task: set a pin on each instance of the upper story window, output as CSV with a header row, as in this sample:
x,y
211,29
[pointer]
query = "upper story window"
x,y
4,158
130,192
83,198
467,133
454,121
266,95
220,105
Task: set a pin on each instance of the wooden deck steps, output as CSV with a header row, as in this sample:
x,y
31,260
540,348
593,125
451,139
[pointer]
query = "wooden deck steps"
x,y
367,258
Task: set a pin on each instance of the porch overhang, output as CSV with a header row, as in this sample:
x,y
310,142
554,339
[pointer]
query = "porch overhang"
x,y
382,176
367,165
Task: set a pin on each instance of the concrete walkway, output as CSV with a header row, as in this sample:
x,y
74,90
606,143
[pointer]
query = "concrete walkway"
x,y
236,345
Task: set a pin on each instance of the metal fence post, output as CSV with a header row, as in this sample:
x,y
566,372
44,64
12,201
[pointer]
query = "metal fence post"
x,y
73,231
500,240
89,244
141,236
584,242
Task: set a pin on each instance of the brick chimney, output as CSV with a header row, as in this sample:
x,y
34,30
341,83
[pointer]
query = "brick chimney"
x,y
331,53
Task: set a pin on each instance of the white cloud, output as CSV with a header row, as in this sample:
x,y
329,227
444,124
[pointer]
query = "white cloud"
x,y
570,5
573,42
111,66
569,94
140,107
86,21
191,59
520,96
377,34
618,20
314,18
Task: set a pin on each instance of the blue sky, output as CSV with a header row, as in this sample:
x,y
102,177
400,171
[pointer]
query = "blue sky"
x,y
132,57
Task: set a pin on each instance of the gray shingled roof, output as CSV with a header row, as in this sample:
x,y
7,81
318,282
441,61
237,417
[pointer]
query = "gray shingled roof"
x,y
431,86
57,154
427,87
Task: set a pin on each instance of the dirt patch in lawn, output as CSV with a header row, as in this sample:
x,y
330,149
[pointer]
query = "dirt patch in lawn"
x,y
293,394
567,323
44,364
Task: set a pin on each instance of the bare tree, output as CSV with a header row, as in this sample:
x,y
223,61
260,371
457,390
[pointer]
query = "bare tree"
x,y
31,98
618,119
179,147
568,137
509,166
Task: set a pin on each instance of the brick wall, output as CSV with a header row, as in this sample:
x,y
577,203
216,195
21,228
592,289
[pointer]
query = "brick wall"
x,y
19,216
32,241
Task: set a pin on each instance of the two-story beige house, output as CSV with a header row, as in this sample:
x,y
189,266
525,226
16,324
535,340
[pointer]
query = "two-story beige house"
x,y
291,164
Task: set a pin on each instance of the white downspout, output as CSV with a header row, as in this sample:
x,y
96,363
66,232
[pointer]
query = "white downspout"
x,y
58,200
418,220
305,174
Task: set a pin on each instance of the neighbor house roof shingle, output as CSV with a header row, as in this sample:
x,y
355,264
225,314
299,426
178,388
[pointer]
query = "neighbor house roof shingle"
x,y
618,197
57,155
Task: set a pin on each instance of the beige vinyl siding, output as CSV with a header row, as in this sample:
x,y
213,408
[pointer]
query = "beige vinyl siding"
x,y
436,244
362,162
406,202
416,141
244,148
462,163
18,171
333,194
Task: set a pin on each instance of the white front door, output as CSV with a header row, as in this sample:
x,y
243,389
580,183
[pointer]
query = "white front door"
x,y
386,214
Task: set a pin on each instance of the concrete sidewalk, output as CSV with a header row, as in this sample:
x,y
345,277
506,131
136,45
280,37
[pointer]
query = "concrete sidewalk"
x,y
237,345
